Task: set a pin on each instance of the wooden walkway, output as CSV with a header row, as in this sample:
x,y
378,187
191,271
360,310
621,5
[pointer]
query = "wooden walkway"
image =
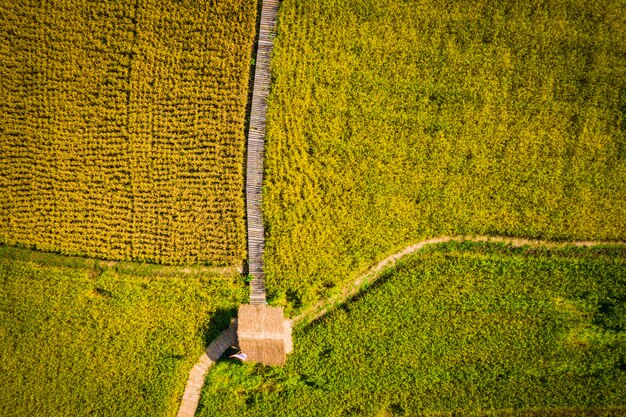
x,y
256,137
191,396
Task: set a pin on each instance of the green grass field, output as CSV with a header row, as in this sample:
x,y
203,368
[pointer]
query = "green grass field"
x,y
122,127
85,338
394,121
469,329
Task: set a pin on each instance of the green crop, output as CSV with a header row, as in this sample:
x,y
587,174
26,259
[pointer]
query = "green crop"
x,y
468,329
391,121
122,127
83,338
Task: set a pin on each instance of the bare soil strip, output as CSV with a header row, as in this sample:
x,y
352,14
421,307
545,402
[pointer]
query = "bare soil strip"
x,y
193,389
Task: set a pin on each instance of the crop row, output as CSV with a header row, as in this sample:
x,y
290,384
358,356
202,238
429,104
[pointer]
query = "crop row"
x,y
122,128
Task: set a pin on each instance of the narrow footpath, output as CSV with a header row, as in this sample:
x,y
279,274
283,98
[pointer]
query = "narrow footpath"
x,y
256,141
372,274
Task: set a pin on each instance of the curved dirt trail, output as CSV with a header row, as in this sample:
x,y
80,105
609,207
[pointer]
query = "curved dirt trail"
x,y
323,307
193,389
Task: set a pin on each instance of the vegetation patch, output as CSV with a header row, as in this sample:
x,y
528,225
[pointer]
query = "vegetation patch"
x,y
394,121
74,342
460,329
122,128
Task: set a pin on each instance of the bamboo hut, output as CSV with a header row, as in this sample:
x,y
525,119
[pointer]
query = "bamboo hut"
x,y
264,334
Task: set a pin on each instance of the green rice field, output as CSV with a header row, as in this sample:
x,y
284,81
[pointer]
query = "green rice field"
x,y
87,338
122,211
455,330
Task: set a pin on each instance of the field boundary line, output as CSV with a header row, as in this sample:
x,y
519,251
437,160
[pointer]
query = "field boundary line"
x,y
374,272
256,143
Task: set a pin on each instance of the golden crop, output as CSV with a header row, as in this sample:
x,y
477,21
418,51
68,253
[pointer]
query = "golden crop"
x,y
122,128
393,121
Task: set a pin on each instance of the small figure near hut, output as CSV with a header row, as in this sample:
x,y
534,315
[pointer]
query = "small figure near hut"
x,y
241,356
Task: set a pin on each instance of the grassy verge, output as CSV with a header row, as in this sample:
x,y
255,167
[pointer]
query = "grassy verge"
x,y
390,122
470,329
84,338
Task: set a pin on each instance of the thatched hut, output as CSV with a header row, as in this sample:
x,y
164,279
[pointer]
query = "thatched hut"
x,y
264,334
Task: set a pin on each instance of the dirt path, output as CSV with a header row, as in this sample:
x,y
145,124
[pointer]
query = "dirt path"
x,y
193,389
323,307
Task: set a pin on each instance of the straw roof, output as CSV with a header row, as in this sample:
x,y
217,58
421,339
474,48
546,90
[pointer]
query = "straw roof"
x,y
264,334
